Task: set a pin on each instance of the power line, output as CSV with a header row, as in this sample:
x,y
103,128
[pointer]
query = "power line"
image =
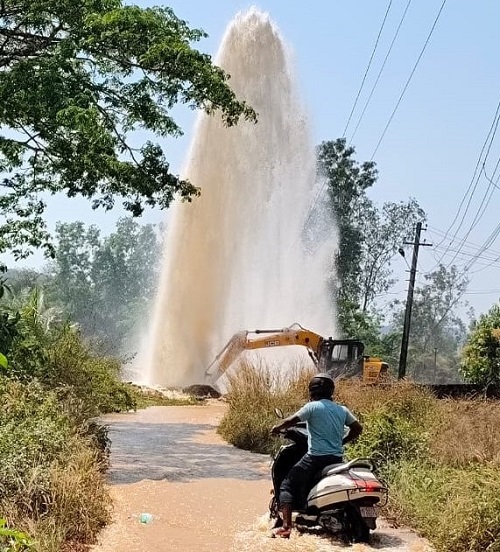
x,y
381,70
471,245
487,243
493,126
409,78
478,216
368,67
482,292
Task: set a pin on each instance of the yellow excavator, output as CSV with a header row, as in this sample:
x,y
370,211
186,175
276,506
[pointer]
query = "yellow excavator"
x,y
337,357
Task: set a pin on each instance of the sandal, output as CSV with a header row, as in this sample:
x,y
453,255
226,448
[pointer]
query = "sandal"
x,y
281,532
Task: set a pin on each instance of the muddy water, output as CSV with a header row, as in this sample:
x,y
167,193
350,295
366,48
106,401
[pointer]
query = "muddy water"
x,y
204,495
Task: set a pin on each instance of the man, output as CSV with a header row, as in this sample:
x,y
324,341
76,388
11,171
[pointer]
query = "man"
x,y
326,421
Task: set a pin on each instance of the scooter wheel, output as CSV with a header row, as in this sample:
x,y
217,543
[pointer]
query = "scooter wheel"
x,y
357,530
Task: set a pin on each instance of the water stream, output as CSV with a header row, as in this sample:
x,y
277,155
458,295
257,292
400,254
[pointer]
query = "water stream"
x,y
247,253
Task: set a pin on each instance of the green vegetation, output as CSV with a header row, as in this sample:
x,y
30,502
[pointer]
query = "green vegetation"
x,y
12,540
371,237
53,452
77,79
440,458
103,284
481,354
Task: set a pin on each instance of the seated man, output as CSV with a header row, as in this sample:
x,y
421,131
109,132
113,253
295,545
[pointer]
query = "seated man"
x,y
325,420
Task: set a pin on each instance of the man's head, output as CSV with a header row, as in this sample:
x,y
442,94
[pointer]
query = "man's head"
x,y
321,386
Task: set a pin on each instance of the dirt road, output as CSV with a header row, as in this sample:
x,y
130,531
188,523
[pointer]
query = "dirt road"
x,y
203,494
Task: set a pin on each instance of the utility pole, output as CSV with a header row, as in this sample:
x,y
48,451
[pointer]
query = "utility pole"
x,y
409,300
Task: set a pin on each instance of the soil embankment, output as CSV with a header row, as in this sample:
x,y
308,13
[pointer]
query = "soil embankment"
x,y
204,495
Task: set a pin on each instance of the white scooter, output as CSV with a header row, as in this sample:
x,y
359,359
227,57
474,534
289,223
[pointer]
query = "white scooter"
x,y
344,499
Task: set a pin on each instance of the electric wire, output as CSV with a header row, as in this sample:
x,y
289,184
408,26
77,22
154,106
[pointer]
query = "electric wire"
x,y
368,67
409,79
468,192
471,245
479,213
381,71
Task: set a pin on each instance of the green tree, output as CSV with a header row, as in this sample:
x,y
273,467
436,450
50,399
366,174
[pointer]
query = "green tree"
x,y
481,354
76,80
347,184
369,238
437,331
384,231
106,285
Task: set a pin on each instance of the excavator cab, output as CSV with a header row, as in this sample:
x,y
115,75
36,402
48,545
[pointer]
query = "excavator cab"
x,y
344,358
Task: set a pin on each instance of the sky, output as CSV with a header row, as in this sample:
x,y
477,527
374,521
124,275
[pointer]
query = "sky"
x,y
434,141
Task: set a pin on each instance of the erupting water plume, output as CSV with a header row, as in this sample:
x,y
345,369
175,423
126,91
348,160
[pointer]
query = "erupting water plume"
x,y
235,257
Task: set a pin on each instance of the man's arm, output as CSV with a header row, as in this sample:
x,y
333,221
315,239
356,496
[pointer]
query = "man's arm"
x,y
285,424
355,429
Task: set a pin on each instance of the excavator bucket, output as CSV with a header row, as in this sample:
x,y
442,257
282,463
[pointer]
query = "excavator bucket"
x,y
233,348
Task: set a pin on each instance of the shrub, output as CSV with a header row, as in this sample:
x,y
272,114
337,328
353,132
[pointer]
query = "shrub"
x,y
457,509
51,483
254,392
93,379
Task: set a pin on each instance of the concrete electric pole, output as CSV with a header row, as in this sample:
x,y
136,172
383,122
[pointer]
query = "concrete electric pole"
x,y
409,300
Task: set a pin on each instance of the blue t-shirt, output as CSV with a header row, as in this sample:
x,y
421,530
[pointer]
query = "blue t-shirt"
x,y
326,421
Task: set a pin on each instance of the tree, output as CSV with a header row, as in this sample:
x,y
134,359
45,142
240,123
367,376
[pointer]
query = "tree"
x,y
76,80
481,354
369,238
106,285
437,331
384,232
347,184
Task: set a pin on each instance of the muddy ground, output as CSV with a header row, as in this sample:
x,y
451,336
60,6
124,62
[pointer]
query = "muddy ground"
x,y
203,494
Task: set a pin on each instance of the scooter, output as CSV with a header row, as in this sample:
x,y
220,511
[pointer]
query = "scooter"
x,y
344,499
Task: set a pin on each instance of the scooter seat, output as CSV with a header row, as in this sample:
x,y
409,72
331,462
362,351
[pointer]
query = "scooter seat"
x,y
339,468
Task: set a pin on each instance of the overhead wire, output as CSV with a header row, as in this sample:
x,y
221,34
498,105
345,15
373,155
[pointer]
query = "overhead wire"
x,y
380,71
405,88
488,194
368,67
322,187
475,177
471,245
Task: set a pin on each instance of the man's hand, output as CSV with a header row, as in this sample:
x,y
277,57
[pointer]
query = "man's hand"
x,y
285,424
355,430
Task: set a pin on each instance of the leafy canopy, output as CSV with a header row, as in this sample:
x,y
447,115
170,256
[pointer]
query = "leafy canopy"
x,y
481,354
76,80
369,237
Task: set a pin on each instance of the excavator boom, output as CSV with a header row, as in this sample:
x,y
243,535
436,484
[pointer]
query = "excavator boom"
x,y
337,357
261,339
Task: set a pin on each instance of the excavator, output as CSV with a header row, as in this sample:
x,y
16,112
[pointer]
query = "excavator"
x,y
337,357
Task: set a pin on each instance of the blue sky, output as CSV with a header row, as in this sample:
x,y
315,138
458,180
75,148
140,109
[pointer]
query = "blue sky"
x,y
432,146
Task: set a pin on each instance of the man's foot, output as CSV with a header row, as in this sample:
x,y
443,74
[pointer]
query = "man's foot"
x,y
281,532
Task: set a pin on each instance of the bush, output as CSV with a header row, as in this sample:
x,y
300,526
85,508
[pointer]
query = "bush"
x,y
254,392
457,509
51,484
440,458
397,421
95,380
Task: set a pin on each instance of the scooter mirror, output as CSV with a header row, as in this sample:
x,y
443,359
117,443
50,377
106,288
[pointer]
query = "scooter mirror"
x,y
279,412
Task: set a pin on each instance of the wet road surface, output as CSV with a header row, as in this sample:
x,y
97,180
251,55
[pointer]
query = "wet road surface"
x,y
203,494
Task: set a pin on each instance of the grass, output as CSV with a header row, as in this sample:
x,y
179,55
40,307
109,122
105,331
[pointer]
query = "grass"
x,y
51,473
440,457
53,451
255,391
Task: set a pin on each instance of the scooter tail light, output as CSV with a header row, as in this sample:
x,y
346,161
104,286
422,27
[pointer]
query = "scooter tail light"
x,y
368,486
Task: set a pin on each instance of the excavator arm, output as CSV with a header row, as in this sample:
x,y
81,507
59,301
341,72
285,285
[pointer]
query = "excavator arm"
x,y
260,339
